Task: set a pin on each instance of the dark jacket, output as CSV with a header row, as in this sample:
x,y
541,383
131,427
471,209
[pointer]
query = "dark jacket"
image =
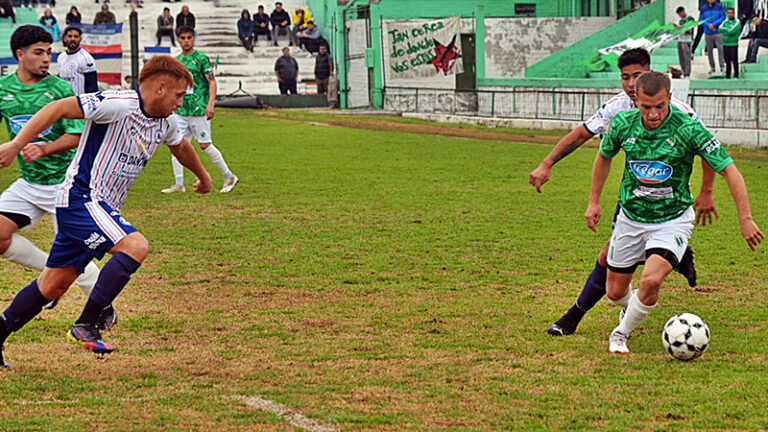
x,y
162,21
761,32
104,18
278,17
258,20
323,66
746,9
185,20
45,20
244,25
74,18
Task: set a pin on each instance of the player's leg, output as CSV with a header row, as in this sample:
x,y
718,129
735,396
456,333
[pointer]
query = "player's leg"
x,y
201,129
19,209
178,169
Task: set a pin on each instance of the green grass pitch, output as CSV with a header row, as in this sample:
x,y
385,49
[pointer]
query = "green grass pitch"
x,y
379,274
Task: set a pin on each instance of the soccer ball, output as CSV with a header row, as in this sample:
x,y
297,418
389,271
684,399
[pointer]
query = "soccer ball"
x,y
685,336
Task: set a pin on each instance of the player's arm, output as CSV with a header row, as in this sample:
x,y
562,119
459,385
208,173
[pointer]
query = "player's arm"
x,y
33,151
187,156
573,140
704,204
738,187
63,108
212,87
600,170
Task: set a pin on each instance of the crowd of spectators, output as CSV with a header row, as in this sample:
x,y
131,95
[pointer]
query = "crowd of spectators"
x,y
303,33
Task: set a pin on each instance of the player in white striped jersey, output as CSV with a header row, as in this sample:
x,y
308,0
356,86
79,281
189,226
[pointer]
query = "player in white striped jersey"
x,y
76,66
123,129
632,64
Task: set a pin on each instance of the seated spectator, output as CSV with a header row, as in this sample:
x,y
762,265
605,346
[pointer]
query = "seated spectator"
x,y
165,27
301,18
73,17
245,30
281,22
261,25
758,37
128,85
323,68
48,22
185,18
287,72
310,38
105,17
6,10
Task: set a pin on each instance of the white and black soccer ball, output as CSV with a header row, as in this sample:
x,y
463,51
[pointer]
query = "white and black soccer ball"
x,y
685,336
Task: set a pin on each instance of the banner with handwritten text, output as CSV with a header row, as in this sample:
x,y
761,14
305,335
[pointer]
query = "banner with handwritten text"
x,y
424,48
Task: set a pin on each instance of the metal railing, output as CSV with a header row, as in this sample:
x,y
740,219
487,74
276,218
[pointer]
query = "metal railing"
x,y
741,109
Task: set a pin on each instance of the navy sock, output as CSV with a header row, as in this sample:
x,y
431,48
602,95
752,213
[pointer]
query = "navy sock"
x,y
113,277
25,306
594,288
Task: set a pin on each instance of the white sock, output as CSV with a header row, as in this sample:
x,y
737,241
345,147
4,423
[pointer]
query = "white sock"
x,y
178,171
22,251
218,160
88,278
636,313
624,301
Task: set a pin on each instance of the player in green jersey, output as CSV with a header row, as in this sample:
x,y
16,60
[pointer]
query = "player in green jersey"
x,y
656,217
194,117
33,194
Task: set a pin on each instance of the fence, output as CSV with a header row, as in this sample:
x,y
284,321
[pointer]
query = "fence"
x,y
741,109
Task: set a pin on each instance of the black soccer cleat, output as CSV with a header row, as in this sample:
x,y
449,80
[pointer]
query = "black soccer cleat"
x,y
3,364
686,268
567,323
88,336
107,319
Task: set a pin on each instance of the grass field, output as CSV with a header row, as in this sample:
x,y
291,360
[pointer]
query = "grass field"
x,y
383,274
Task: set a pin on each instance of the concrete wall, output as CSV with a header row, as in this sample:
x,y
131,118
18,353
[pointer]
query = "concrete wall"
x,y
512,44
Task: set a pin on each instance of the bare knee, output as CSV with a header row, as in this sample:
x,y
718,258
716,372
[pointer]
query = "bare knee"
x,y
54,282
649,289
134,245
7,228
602,257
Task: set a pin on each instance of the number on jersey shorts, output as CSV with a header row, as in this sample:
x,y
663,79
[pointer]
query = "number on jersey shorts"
x,y
29,199
198,127
87,230
630,239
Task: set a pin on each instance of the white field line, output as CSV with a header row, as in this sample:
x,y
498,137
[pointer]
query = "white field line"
x,y
295,418
75,401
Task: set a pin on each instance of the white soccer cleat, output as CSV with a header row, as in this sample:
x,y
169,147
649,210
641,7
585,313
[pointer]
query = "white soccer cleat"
x,y
174,189
618,343
229,184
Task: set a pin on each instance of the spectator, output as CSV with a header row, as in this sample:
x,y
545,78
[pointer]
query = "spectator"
x,y
128,85
245,30
287,72
713,15
73,17
48,22
758,37
746,10
105,17
165,26
185,18
310,38
323,68
731,29
261,25
6,10
684,42
281,21
301,19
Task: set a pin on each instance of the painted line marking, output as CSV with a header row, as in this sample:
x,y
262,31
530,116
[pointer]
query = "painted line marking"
x,y
294,417
75,401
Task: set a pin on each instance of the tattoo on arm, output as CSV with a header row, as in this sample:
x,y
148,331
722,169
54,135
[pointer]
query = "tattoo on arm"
x,y
568,149
209,76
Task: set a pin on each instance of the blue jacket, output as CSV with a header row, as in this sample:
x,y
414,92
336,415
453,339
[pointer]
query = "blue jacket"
x,y
244,25
714,15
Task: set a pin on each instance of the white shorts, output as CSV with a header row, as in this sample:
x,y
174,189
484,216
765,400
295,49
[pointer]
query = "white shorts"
x,y
630,239
198,127
29,199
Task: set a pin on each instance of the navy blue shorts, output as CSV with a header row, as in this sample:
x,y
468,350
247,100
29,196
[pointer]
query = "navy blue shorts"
x,y
87,230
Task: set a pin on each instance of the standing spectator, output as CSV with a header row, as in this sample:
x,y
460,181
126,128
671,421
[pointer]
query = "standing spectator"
x,y
684,42
731,29
73,17
48,22
746,10
105,17
261,25
185,18
323,68
713,15
165,26
310,39
281,21
758,37
301,19
6,10
76,66
245,30
287,72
